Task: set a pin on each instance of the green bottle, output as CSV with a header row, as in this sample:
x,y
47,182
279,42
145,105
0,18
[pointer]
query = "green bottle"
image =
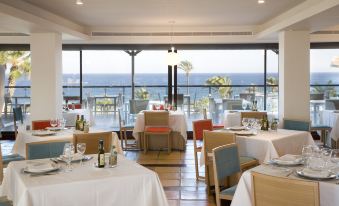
x,y
101,154
77,123
81,123
264,123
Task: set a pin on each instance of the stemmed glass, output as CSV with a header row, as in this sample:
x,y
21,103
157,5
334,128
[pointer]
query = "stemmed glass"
x,y
244,105
81,148
335,161
326,155
53,122
68,155
245,122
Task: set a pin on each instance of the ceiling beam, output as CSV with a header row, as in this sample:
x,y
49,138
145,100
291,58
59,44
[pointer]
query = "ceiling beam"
x,y
297,14
27,18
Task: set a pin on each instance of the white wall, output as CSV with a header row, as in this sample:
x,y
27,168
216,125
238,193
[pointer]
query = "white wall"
x,y
294,75
46,77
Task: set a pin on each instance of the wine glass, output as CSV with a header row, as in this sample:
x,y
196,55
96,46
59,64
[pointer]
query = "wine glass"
x,y
335,161
53,122
68,155
326,154
81,148
244,105
245,122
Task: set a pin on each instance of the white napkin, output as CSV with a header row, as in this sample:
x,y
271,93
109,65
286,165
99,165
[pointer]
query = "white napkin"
x,y
316,173
39,167
289,158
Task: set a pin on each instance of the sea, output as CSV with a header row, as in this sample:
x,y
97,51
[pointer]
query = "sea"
x,y
122,82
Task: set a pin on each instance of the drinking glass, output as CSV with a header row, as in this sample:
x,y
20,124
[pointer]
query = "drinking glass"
x,y
326,154
244,105
335,161
68,155
53,122
62,123
306,154
245,122
81,148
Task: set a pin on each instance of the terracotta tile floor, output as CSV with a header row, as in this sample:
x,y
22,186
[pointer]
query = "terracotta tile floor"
x,y
177,175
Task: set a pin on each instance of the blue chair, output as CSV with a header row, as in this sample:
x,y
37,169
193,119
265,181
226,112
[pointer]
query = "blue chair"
x,y
226,162
9,158
47,149
297,125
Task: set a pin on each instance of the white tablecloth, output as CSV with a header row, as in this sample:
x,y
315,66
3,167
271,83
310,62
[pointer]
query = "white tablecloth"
x,y
270,144
330,118
24,137
71,115
233,119
127,184
177,122
329,191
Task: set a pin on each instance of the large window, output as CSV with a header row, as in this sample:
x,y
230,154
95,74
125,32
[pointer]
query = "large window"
x,y
272,80
71,76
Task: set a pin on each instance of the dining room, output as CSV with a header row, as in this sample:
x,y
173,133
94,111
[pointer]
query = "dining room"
x,y
169,102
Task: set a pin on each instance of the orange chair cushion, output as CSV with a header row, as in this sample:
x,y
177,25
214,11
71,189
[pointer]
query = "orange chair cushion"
x,y
41,124
76,106
161,107
201,125
218,126
158,129
154,107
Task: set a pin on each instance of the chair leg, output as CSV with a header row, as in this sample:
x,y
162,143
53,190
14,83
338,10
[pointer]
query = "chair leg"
x,y
169,143
145,143
196,165
125,137
207,178
122,140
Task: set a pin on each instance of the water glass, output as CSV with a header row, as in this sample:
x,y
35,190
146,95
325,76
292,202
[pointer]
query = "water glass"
x,y
245,122
244,105
335,156
62,123
81,148
306,154
53,122
68,155
326,155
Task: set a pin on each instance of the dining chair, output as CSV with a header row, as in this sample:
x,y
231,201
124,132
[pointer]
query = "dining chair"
x,y
45,149
76,106
213,139
3,200
232,104
123,132
17,117
226,163
252,115
157,123
281,191
198,127
296,124
40,124
92,141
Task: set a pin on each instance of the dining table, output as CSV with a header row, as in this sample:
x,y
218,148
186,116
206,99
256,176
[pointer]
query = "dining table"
x,y
71,115
266,145
128,183
232,118
177,123
328,189
27,136
330,118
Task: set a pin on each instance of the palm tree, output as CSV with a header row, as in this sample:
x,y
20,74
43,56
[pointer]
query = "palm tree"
x,y
20,64
271,81
187,67
225,92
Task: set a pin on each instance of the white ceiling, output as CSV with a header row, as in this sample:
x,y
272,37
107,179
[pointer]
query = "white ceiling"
x,y
148,21
103,13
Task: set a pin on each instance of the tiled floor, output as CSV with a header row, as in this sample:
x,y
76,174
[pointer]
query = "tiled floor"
x,y
177,175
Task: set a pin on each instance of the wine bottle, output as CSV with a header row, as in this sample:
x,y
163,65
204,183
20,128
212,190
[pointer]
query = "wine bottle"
x,y
81,123
101,154
264,123
77,122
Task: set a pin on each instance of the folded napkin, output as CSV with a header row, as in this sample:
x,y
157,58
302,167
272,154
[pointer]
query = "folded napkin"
x,y
39,167
315,173
289,158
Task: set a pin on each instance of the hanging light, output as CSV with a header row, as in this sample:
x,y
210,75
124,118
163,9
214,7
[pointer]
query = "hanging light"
x,y
79,2
172,56
335,62
261,1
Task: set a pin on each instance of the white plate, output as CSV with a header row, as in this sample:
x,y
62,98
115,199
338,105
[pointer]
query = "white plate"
x,y
239,128
244,133
288,160
43,133
315,174
54,128
40,168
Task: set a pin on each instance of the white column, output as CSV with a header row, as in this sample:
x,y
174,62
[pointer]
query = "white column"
x,y
294,75
46,76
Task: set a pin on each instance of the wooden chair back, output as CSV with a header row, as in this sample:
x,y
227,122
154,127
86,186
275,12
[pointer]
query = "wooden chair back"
x,y
156,118
40,124
92,141
253,115
280,191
